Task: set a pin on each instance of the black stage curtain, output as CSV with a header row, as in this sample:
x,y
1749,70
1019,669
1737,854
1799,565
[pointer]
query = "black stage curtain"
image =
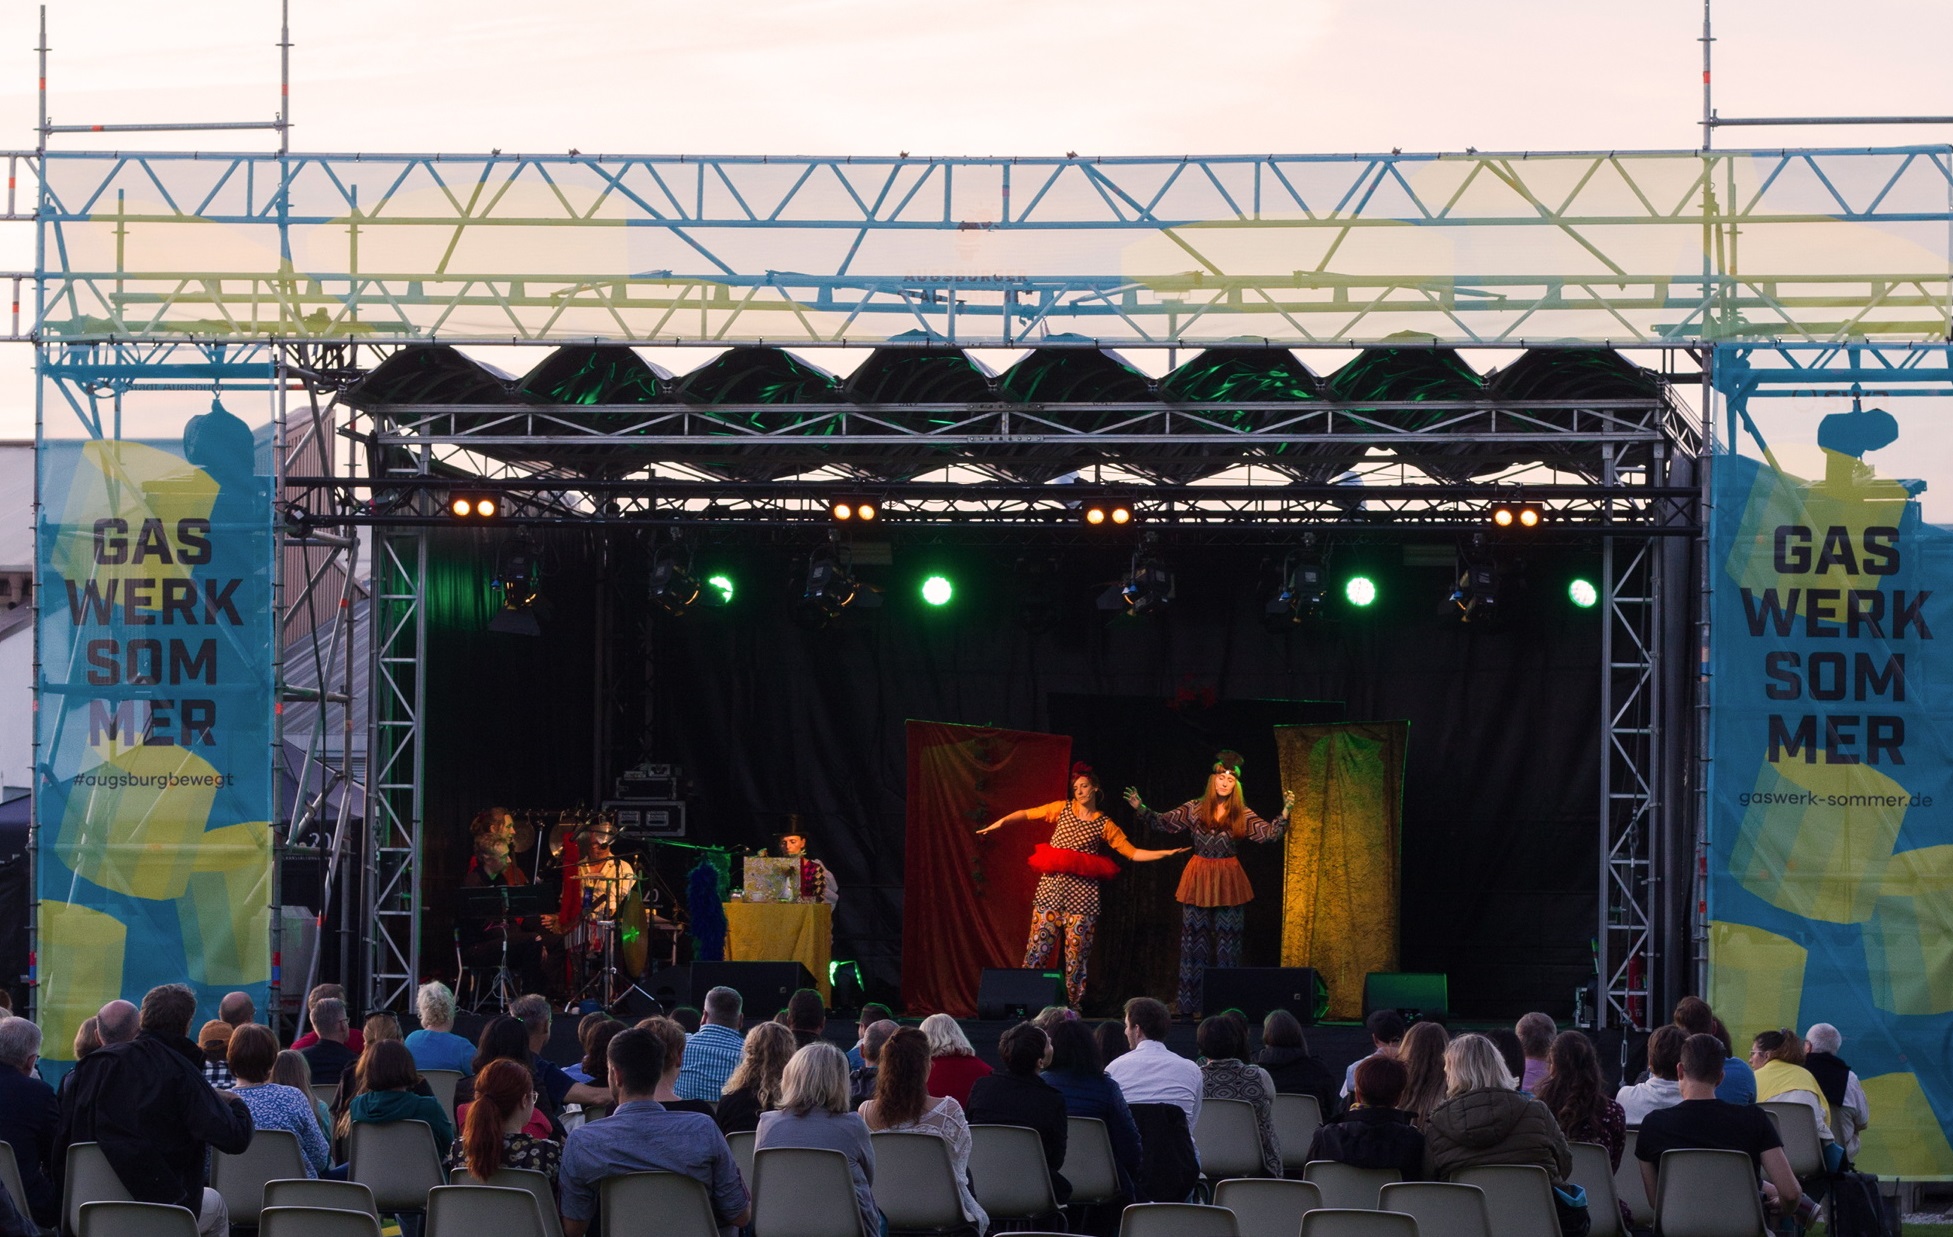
x,y
768,718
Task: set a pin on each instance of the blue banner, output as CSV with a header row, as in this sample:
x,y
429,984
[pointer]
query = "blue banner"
x,y
1830,844
154,721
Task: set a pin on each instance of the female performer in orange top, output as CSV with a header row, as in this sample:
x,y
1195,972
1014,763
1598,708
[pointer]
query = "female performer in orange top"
x,y
1214,887
1074,863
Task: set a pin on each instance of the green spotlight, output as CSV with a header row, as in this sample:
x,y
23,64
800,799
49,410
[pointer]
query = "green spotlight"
x,y
1583,594
721,587
1361,590
937,591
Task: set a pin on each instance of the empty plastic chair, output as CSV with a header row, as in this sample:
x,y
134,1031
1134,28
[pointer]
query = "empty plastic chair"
x,y
1266,1206
1594,1173
1346,1187
1797,1126
803,1192
442,1083
321,1195
742,1154
398,1161
1008,1173
1177,1220
87,1178
658,1205
273,1155
915,1183
10,1178
1628,1186
476,1210
1297,1117
1357,1222
316,1222
520,1179
325,1093
1441,1208
1090,1165
1707,1194
132,1219
1228,1139
1518,1198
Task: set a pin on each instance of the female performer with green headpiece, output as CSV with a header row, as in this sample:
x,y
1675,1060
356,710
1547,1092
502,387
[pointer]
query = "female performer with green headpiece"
x,y
1214,887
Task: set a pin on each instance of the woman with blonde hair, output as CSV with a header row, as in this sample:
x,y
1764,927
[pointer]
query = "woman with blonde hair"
x,y
814,1112
291,1069
953,1064
1778,1059
754,1087
1484,1120
1422,1052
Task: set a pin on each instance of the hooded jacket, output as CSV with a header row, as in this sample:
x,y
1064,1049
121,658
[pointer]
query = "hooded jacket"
x,y
148,1106
1492,1126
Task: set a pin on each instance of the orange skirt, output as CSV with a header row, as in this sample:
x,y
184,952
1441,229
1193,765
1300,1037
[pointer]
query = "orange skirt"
x,y
1214,882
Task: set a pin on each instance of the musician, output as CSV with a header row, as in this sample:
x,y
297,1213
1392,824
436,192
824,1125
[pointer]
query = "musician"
x,y
793,844
492,866
606,879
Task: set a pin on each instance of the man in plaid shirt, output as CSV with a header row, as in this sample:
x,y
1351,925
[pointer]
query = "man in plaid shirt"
x,y
233,1011
713,1051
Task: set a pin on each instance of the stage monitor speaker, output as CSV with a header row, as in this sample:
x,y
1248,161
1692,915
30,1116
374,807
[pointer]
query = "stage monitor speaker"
x,y
1256,990
765,986
1413,993
1017,994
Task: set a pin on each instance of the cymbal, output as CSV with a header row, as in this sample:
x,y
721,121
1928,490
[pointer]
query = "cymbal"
x,y
525,838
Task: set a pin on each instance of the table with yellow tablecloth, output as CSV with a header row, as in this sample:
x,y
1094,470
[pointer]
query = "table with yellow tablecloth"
x,y
800,932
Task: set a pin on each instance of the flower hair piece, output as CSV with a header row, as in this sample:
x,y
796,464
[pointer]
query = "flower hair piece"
x,y
1228,761
1080,769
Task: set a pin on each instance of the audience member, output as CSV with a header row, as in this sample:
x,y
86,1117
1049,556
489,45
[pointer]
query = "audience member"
x,y
754,1087
1576,1094
88,1037
495,1133
319,993
292,1070
953,1064
672,1037
1663,1089
1701,1120
1506,1040
814,1112
712,1052
871,1013
1110,1036
505,1039
331,1050
146,1103
1152,1073
118,1022
555,1087
640,1135
1051,1015
380,1028
1843,1093
687,1018
214,1039
1375,1132
387,1078
1693,1015
29,1117
1535,1033
1226,1075
1080,1079
1422,1055
1484,1119
593,1066
1777,1057
903,1103
237,1008
1291,1067
1386,1028
253,1053
806,1017
1016,1095
435,1045
861,1082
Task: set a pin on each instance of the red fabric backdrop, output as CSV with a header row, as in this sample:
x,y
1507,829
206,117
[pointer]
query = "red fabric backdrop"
x,y
967,900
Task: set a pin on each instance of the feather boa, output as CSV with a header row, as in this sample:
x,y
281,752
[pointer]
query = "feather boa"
x,y
708,913
1049,858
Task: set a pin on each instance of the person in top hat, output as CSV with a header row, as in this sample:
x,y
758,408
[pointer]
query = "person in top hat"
x,y
1214,887
793,844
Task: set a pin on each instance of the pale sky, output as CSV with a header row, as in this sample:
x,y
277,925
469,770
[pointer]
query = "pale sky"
x,y
1031,77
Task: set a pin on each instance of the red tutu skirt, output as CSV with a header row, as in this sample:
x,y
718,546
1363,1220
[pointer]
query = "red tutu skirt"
x,y
1048,858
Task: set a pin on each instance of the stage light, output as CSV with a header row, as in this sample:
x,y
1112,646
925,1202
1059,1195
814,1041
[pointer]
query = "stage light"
x,y
842,511
1095,516
1503,516
866,512
1476,592
485,508
829,588
719,590
462,508
1122,514
937,590
673,588
1583,594
1148,588
473,506
1529,516
854,510
1299,597
518,573
1101,512
1360,590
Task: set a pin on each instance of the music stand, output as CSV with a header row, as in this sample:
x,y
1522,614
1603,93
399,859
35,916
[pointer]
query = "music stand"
x,y
503,902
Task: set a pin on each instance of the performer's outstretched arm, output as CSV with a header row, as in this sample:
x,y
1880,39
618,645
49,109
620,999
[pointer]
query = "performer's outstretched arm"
x,y
1012,818
1115,837
1260,830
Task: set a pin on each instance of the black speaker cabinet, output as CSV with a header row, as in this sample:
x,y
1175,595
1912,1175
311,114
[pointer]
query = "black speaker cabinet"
x,y
1415,992
1255,990
765,986
1018,994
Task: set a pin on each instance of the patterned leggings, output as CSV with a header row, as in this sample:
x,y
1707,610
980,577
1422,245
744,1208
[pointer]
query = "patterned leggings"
x,y
1042,949
1209,936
